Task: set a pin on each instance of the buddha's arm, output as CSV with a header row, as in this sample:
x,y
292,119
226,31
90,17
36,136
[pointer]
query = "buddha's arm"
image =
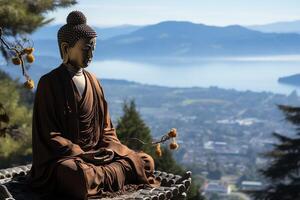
x,y
109,138
46,125
109,133
63,146
109,130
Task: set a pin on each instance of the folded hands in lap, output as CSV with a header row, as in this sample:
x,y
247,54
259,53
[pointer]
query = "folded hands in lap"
x,y
98,157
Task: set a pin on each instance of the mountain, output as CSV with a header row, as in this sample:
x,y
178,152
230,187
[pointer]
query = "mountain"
x,y
176,39
290,80
45,38
185,39
278,27
109,32
50,32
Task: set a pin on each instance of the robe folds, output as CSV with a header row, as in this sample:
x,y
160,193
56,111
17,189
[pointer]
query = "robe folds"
x,y
65,126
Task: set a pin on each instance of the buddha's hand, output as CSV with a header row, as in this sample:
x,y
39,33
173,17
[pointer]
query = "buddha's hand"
x,y
98,157
104,156
88,156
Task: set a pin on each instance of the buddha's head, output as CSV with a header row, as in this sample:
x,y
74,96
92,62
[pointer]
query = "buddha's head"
x,y
76,41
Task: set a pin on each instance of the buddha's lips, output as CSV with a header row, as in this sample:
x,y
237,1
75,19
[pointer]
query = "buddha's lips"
x,y
87,62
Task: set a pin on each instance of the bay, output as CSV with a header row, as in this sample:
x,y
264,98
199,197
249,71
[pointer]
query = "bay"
x,y
239,73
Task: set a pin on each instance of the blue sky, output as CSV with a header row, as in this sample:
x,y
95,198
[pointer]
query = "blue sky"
x,y
211,12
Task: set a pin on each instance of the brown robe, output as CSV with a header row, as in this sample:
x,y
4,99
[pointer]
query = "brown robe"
x,y
65,126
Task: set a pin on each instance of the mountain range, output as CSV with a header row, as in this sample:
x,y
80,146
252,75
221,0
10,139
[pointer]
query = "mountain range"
x,y
278,27
50,32
178,39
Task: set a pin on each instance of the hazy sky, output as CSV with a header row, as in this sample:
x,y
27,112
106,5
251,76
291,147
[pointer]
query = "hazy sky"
x,y
211,12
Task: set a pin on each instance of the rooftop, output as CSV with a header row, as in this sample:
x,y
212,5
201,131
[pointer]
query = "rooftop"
x,y
172,187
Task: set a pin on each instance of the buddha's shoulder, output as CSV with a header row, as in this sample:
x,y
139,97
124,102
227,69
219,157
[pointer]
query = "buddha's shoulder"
x,y
93,76
53,75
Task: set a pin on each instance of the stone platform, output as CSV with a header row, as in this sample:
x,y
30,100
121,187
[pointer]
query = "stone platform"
x,y
172,187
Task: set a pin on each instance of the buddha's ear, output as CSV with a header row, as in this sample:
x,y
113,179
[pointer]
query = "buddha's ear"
x,y
64,46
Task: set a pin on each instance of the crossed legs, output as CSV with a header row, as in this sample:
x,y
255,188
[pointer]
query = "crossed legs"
x,y
80,179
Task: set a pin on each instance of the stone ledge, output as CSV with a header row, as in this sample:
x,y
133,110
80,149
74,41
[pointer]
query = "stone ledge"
x,y
172,187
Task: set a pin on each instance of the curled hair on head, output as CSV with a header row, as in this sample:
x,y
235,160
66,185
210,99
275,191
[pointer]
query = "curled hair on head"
x,y
75,29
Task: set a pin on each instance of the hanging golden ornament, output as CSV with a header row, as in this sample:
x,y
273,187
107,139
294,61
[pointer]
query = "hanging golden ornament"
x,y
29,84
30,58
16,60
172,133
158,150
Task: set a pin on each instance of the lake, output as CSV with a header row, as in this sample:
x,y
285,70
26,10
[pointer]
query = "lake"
x,y
245,73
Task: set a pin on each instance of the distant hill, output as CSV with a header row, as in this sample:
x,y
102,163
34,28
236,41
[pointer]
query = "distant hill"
x,y
278,27
172,38
45,38
50,32
186,39
291,80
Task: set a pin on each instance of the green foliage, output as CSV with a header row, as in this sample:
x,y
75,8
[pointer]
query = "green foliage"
x,y
24,16
214,196
12,145
18,17
283,171
131,125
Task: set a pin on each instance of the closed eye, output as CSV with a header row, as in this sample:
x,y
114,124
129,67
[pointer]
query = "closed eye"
x,y
88,47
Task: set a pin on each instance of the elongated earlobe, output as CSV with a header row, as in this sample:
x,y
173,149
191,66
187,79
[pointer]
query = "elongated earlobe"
x,y
65,49
66,59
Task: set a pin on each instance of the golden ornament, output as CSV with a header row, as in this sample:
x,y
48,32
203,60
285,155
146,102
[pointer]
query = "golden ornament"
x,y
158,150
173,145
28,50
16,60
172,133
29,84
30,58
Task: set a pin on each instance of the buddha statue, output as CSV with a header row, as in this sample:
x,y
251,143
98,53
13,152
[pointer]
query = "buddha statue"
x,y
76,151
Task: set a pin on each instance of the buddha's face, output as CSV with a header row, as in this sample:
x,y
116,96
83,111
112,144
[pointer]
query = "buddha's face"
x,y
81,54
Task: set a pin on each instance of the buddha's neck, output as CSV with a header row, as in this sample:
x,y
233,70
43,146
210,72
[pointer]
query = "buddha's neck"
x,y
74,71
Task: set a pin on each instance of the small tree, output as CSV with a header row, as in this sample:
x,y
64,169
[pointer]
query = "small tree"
x,y
131,125
283,172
